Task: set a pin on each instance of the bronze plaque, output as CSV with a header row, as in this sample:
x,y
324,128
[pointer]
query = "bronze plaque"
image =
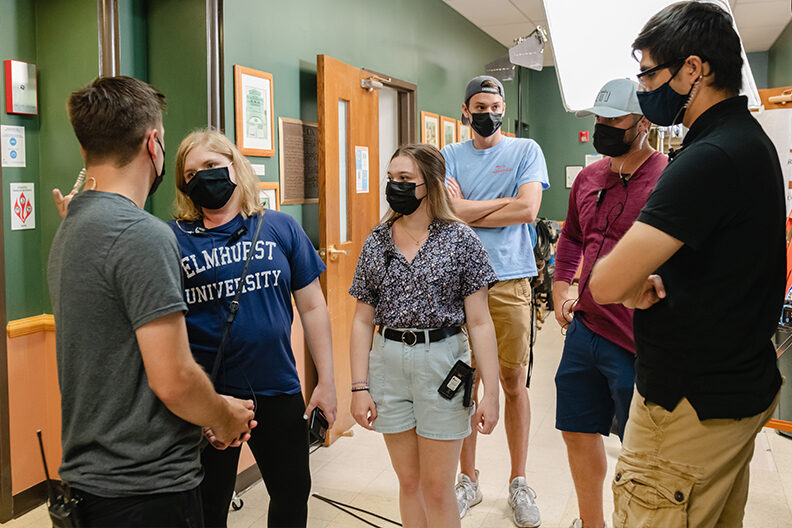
x,y
299,161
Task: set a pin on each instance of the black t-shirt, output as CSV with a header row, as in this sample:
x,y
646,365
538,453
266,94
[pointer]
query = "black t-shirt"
x,y
710,339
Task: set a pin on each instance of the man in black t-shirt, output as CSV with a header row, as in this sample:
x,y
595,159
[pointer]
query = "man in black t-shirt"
x,y
704,265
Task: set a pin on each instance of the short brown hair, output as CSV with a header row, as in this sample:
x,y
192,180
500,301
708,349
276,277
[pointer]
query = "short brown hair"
x,y
247,181
111,115
431,164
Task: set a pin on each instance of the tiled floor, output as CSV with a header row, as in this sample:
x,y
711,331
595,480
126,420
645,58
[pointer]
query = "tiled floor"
x,y
356,470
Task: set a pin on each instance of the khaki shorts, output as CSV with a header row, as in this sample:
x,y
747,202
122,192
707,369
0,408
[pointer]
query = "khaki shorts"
x,y
510,308
675,470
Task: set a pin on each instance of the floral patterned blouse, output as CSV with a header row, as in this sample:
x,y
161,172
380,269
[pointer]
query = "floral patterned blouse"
x,y
428,292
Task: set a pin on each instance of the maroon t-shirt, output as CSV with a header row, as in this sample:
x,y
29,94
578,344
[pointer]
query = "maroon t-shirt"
x,y
601,204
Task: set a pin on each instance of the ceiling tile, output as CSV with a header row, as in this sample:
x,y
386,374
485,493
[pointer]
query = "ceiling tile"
x,y
533,9
506,33
762,14
487,13
758,38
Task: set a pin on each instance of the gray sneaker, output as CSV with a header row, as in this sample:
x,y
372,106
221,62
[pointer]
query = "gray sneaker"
x,y
577,523
522,500
468,493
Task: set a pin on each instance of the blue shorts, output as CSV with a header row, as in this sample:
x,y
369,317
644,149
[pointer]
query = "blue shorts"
x,y
594,383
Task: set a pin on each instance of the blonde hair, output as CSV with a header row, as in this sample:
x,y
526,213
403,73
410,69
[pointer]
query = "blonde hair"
x,y
246,179
431,165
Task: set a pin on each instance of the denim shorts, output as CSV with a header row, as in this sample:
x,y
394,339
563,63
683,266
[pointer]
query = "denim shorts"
x,y
594,383
403,382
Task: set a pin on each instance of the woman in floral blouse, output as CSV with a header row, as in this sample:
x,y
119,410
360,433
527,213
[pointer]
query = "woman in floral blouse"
x,y
421,275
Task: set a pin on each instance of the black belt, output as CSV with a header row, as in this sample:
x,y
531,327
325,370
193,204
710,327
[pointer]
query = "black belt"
x,y
413,337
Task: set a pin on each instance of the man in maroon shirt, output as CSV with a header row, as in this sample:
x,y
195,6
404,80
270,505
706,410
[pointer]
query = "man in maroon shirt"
x,y
594,382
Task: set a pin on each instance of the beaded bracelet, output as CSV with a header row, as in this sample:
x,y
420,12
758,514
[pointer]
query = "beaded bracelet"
x,y
361,388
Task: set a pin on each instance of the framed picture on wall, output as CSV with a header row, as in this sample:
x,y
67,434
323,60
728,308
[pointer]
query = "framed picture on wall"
x,y
430,128
463,131
269,195
449,127
253,112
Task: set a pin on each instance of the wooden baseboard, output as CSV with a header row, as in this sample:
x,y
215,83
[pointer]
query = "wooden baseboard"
x,y
247,478
31,325
29,499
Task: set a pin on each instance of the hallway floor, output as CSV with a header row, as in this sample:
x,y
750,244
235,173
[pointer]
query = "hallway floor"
x,y
356,470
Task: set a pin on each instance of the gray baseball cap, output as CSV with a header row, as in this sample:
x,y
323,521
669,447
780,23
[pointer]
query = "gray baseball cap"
x,y
617,98
475,87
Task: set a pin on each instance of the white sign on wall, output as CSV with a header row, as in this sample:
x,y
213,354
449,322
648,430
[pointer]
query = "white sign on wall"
x,y
13,138
23,210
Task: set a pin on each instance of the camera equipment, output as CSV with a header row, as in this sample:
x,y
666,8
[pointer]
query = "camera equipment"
x,y
460,375
318,426
62,504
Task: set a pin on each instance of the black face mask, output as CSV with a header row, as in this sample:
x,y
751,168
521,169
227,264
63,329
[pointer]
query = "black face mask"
x,y
401,197
210,188
157,178
486,123
609,140
664,106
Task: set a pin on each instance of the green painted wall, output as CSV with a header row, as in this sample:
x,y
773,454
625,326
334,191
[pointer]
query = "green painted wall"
x,y
133,38
421,41
66,63
556,131
176,46
780,60
759,61
23,260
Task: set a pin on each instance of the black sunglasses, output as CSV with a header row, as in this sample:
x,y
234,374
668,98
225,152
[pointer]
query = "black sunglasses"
x,y
660,67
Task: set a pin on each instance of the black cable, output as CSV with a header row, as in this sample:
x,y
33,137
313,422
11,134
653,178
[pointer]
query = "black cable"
x,y
342,506
605,231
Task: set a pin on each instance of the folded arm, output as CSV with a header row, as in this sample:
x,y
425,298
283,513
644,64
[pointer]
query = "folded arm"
x,y
625,275
520,210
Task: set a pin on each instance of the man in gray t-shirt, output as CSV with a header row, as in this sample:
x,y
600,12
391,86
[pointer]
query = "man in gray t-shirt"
x,y
113,268
132,397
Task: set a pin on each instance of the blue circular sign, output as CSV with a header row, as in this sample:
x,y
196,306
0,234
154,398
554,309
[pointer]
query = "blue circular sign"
x,y
13,142
13,154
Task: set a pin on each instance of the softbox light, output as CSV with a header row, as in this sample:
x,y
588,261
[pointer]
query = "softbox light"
x,y
529,51
502,69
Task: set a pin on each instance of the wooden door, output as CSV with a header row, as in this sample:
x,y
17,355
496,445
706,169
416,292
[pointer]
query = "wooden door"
x,y
348,201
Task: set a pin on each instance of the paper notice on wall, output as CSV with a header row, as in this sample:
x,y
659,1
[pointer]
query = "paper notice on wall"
x,y
23,209
571,174
13,138
361,169
593,158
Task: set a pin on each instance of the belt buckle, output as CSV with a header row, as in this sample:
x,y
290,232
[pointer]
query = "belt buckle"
x,y
414,340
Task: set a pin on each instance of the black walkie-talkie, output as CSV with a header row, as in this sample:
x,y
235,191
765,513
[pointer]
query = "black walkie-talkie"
x,y
62,506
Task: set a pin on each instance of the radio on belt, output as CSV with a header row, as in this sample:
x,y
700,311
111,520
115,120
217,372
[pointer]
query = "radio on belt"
x,y
461,374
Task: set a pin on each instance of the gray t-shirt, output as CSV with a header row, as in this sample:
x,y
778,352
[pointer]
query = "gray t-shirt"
x,y
113,268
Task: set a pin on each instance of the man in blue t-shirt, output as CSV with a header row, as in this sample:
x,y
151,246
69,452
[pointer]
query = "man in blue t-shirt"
x,y
496,185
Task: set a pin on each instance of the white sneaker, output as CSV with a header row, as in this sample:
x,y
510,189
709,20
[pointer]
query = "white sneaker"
x,y
522,500
468,493
577,523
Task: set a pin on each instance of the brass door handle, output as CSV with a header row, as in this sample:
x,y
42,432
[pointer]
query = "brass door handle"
x,y
333,252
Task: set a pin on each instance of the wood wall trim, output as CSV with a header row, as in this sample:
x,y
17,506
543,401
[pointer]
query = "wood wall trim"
x,y
30,325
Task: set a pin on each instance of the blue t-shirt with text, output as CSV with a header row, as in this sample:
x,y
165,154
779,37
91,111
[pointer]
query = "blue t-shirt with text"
x,y
258,354
498,172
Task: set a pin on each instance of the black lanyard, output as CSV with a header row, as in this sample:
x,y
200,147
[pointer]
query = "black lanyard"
x,y
233,308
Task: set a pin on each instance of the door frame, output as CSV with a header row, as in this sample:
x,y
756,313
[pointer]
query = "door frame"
x,y
407,94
